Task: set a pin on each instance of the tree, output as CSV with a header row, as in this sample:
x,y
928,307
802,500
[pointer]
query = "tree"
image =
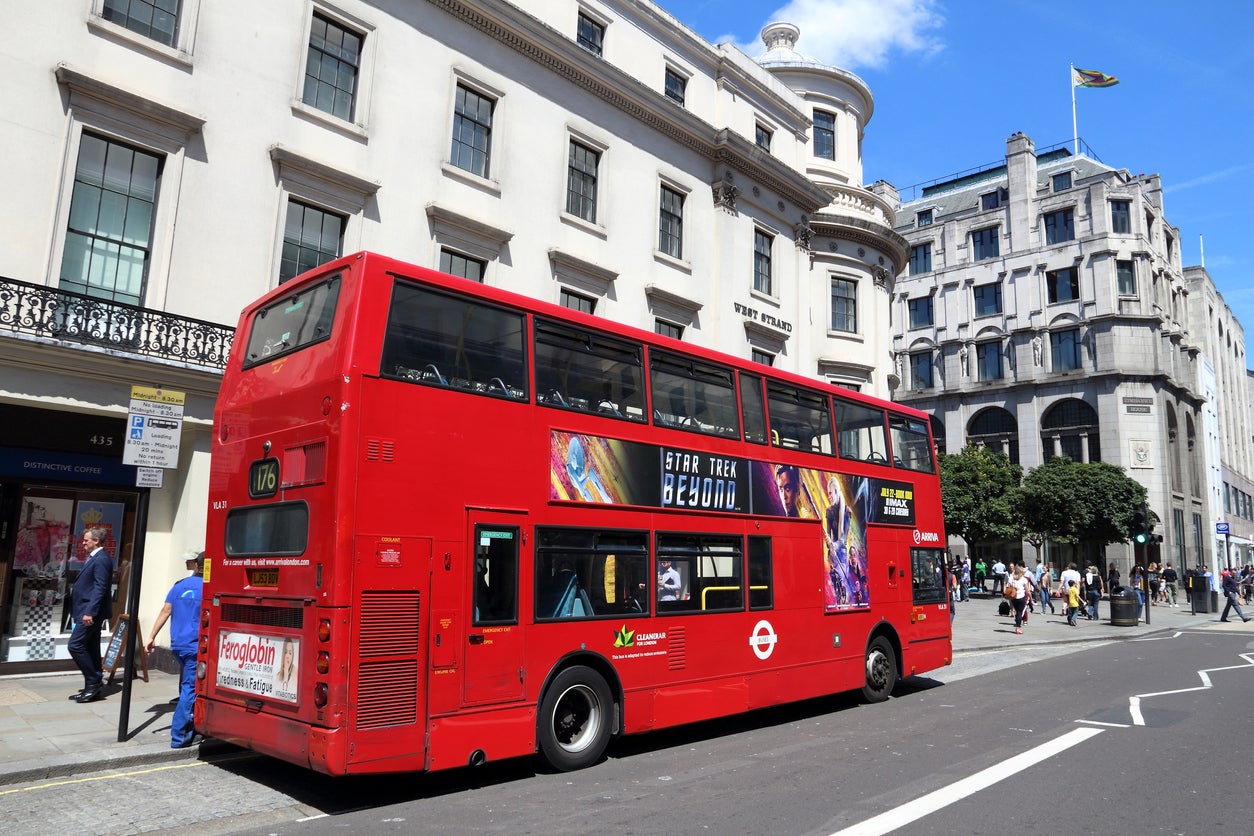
x,y
1074,502
978,492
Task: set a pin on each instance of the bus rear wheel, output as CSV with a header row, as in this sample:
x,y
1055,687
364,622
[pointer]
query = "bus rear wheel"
x,y
575,719
881,670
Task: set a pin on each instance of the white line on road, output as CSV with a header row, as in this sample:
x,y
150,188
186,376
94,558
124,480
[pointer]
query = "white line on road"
x,y
943,797
1134,703
1109,725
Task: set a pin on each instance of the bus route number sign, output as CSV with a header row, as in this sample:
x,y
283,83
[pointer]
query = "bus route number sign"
x,y
263,478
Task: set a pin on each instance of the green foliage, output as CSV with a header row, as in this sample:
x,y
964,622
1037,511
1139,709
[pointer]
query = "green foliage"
x,y
979,488
1073,502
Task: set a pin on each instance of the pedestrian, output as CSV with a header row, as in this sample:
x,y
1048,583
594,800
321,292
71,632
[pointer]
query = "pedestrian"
x,y
90,606
1022,585
1170,580
1136,580
1153,578
981,574
1073,602
1112,579
182,610
1093,591
999,576
1045,585
1068,575
966,579
1229,581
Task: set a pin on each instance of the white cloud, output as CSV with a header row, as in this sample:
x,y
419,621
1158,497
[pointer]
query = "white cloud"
x,y
857,33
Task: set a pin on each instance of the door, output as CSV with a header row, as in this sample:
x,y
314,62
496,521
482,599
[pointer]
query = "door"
x,y
495,645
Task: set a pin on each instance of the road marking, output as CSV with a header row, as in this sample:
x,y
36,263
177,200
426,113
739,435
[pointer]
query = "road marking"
x,y
1109,725
1134,703
52,784
943,797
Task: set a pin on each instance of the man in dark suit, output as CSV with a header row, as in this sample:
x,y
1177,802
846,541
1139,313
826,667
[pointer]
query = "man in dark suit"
x,y
90,605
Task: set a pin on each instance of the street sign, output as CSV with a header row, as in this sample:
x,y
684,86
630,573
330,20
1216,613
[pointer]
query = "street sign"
x,y
1221,528
154,427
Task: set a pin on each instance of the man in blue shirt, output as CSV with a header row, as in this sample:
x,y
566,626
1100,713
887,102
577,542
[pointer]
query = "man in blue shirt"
x,y
182,609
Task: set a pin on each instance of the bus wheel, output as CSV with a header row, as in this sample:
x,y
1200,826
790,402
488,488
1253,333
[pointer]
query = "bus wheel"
x,y
881,671
574,726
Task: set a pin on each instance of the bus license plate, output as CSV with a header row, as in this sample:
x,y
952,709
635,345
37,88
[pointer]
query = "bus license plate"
x,y
263,577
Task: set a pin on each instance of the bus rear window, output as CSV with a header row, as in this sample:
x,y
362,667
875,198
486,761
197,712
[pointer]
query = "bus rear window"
x,y
293,322
280,529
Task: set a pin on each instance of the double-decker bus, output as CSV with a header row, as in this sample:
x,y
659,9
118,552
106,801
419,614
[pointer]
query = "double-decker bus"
x,y
450,524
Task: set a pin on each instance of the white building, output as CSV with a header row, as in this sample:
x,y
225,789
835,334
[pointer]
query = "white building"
x,y
1045,312
162,169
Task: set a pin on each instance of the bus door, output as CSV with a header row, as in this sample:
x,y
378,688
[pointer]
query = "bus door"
x,y
494,652
929,610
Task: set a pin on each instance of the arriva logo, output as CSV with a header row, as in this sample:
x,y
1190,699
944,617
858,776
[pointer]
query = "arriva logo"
x,y
925,537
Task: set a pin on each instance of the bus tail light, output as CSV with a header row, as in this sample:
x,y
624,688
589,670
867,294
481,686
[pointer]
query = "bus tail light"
x,y
320,693
201,670
203,650
324,630
324,662
204,617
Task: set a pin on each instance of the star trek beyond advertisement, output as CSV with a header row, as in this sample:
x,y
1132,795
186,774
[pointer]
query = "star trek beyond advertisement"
x,y
587,468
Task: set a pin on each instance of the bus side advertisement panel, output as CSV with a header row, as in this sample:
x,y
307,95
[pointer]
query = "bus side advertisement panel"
x,y
587,468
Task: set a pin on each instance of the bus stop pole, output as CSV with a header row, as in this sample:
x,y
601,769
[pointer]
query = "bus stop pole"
x,y
132,608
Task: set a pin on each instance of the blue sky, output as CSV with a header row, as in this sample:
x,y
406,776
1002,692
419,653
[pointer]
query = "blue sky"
x,y
953,78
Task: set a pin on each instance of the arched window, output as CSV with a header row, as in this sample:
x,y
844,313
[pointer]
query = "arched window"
x,y
1173,448
996,429
1194,460
1069,428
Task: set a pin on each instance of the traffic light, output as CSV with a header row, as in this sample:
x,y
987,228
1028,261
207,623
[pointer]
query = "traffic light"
x,y
1140,526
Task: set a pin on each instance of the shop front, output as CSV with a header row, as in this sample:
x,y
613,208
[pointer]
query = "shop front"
x,y
60,472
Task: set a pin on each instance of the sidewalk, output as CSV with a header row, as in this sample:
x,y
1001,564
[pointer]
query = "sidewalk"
x,y
45,735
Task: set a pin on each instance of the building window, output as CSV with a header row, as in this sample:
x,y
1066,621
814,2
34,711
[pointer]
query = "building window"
x,y
762,357
996,429
922,370
577,301
1127,278
762,137
591,34
845,305
1062,182
1059,226
670,237
155,19
456,264
987,299
824,135
1065,350
668,329
581,181
920,259
331,67
1121,217
988,361
109,237
311,237
924,218
994,199
985,243
920,311
762,261
676,86
1070,428
1064,284
472,131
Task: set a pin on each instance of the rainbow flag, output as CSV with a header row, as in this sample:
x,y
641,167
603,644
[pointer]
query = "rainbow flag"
x,y
1093,78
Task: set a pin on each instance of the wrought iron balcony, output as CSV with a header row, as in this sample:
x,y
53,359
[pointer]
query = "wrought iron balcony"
x,y
42,311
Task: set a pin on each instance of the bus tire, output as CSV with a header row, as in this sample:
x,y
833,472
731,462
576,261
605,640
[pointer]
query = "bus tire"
x,y
881,670
575,719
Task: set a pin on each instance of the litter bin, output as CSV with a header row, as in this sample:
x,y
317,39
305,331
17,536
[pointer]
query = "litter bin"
x,y
1123,607
1202,596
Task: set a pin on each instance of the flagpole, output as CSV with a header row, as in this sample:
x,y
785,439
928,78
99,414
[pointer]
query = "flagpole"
x,y
1075,133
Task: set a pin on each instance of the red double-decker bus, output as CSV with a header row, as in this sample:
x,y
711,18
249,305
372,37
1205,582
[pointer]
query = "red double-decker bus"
x,y
450,524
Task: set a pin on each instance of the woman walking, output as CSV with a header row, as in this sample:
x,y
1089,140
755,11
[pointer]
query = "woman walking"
x,y
1022,588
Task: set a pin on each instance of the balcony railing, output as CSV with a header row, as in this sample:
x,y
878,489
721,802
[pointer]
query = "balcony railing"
x,y
43,311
